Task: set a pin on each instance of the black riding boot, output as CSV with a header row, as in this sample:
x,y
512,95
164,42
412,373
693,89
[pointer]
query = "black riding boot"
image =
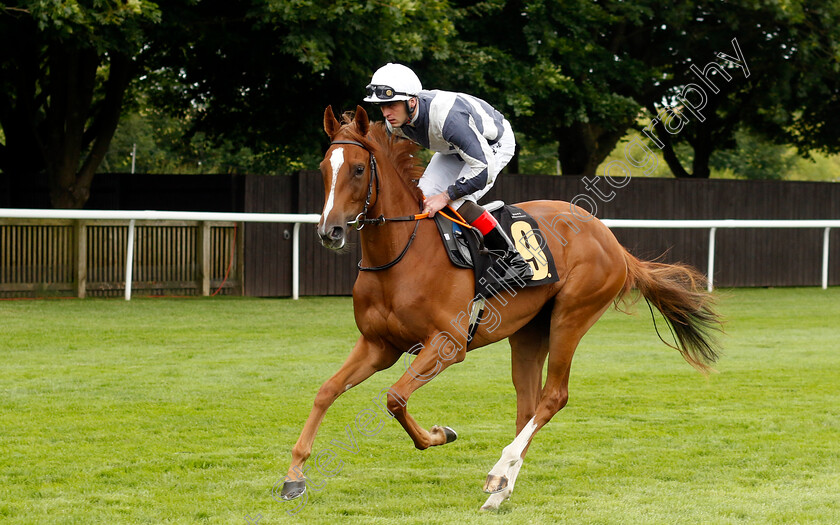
x,y
515,267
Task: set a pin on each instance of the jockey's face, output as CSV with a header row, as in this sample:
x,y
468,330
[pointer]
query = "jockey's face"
x,y
395,112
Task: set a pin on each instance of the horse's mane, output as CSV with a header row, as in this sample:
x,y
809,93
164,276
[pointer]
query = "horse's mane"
x,y
402,153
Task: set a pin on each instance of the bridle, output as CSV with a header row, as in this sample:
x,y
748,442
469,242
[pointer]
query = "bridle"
x,y
361,219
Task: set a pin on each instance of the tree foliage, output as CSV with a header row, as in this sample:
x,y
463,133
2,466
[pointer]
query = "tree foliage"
x,y
579,73
249,80
65,68
261,75
562,71
804,92
754,158
758,96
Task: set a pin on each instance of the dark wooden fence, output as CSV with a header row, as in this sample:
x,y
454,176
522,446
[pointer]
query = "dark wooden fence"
x,y
87,258
745,257
60,257
269,246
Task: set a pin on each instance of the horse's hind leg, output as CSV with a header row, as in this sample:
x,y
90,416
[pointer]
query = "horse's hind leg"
x,y
575,311
529,348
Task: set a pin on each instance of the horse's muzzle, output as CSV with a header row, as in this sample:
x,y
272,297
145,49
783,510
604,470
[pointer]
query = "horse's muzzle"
x,y
333,238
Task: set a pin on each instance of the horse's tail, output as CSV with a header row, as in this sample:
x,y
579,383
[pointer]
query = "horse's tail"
x,y
678,291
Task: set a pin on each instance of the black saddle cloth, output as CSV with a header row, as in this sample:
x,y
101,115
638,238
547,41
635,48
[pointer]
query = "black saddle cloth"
x,y
462,245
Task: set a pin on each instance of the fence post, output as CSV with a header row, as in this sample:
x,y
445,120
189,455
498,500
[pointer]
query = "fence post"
x,y
203,256
825,259
710,280
296,261
240,256
81,259
129,260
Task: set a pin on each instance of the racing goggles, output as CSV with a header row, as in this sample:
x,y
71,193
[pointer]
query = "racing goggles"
x,y
383,92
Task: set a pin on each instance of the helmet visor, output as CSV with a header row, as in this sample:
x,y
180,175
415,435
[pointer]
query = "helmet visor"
x,y
383,92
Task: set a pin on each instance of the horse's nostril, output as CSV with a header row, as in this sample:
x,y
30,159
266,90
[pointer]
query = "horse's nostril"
x,y
337,232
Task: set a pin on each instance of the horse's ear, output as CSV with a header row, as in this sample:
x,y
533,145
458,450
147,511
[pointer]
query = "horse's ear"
x,y
331,125
362,121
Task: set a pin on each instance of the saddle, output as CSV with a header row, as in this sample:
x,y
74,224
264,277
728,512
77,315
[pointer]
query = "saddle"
x,y
465,249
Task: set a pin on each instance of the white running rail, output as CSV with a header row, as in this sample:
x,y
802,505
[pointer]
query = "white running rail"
x,y
713,225
312,218
131,216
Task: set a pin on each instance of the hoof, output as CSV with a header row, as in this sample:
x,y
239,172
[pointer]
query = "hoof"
x,y
451,435
495,484
293,489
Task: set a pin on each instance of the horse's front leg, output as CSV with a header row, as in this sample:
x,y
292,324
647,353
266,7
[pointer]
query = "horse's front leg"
x,y
436,354
364,360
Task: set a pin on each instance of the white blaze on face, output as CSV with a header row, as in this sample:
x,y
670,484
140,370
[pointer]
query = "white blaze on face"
x,y
336,161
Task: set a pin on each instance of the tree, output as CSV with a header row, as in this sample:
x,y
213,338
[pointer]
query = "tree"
x,y
562,71
244,74
757,67
262,80
65,68
579,73
252,77
754,158
805,99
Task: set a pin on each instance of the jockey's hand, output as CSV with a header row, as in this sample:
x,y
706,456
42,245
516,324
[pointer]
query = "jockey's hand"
x,y
435,203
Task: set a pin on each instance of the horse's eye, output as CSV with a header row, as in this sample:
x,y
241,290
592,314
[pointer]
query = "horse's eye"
x,y
359,170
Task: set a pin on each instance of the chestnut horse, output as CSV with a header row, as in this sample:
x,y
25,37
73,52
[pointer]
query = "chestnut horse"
x,y
417,298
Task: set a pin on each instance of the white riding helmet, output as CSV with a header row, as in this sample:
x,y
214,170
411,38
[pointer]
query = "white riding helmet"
x,y
392,82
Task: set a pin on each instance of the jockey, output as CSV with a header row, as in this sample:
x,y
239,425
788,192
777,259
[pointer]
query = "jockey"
x,y
472,143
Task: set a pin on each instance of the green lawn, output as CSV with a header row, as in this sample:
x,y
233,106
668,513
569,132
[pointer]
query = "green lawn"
x,y
185,411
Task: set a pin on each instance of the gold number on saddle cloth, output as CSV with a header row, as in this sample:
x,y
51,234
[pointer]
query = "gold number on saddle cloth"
x,y
527,244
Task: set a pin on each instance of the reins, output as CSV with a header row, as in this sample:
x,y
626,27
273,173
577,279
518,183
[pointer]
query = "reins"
x,y
362,220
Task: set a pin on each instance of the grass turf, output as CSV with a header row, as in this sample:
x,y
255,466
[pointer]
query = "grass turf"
x,y
185,411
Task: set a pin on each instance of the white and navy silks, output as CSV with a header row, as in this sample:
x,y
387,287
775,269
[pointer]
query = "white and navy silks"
x,y
471,140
